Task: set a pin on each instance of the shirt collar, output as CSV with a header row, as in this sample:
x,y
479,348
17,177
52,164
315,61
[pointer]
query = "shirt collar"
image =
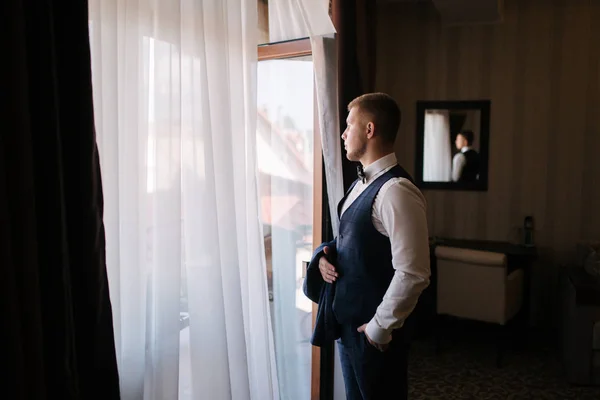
x,y
379,165
465,149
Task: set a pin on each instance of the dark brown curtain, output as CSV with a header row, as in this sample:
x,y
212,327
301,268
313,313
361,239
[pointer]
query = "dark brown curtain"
x,y
355,23
57,333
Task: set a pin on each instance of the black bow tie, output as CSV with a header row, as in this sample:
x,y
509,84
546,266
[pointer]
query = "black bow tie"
x,y
361,173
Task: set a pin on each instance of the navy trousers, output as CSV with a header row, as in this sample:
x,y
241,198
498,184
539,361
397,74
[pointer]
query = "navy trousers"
x,y
370,374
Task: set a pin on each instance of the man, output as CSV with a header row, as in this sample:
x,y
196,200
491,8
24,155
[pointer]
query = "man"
x,y
379,262
465,165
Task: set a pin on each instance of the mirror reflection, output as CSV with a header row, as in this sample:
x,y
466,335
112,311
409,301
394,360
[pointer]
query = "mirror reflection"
x,y
451,146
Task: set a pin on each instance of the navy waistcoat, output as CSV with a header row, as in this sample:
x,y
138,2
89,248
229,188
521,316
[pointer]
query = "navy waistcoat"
x,y
471,169
364,257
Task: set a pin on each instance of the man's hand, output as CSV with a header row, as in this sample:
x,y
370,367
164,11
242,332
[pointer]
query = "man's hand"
x,y
378,346
327,269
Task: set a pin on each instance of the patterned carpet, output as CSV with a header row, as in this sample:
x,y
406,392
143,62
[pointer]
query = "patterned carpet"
x,y
465,369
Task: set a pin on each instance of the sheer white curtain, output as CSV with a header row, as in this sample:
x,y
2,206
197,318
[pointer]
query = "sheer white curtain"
x,y
437,164
294,19
174,86
326,83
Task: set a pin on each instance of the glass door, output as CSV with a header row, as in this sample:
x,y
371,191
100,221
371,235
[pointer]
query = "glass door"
x,y
289,166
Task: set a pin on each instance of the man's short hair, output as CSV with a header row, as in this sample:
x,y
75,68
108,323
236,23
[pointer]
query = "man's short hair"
x,y
468,135
382,110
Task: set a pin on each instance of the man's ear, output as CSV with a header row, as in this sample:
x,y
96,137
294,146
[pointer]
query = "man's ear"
x,y
370,130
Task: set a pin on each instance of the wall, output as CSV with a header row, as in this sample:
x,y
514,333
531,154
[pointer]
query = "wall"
x,y
263,21
540,69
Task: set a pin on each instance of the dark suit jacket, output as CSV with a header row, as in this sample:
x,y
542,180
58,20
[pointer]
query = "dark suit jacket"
x,y
315,288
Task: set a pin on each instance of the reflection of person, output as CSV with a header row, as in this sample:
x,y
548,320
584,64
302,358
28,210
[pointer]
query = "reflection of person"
x,y
465,165
378,265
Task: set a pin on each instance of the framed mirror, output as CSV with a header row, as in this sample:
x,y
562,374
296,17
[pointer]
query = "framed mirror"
x,y
452,145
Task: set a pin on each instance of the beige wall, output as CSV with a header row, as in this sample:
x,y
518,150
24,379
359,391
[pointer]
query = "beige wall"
x,y
263,21
540,68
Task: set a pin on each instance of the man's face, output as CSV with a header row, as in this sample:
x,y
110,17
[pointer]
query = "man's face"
x,y
460,141
355,136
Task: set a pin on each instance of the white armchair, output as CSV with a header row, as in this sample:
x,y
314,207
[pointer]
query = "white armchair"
x,y
476,285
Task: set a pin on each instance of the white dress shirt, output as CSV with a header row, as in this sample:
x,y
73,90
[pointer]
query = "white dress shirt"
x,y
399,212
458,163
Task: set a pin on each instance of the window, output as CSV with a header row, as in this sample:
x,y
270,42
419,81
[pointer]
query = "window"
x,y
290,189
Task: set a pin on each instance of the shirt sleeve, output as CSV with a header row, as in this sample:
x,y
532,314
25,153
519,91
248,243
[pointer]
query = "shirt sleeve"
x,y
458,163
404,218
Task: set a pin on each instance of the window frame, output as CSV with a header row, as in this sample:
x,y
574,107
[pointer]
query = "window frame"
x,y
286,49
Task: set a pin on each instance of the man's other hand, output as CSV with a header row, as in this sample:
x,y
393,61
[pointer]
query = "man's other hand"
x,y
327,269
378,346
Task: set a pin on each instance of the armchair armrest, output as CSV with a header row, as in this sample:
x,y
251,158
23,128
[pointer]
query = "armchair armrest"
x,y
470,256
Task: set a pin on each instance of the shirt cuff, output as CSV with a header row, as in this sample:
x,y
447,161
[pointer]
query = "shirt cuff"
x,y
377,333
